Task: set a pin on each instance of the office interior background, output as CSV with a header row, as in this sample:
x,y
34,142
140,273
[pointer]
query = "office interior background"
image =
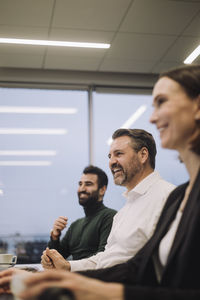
x,y
59,106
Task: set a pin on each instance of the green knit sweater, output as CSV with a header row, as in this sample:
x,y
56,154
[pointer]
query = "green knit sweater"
x,y
88,235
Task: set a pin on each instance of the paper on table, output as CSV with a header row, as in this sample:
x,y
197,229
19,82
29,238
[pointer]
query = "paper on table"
x,y
37,267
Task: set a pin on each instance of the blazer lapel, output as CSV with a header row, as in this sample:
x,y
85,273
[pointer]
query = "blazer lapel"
x,y
164,222
192,206
168,218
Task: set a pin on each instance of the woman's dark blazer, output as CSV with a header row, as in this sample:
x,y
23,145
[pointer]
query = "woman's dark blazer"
x,y
181,276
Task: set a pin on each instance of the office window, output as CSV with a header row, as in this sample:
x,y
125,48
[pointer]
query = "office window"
x,y
130,110
44,146
43,150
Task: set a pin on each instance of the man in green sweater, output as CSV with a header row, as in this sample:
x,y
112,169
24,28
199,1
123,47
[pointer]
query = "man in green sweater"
x,y
88,235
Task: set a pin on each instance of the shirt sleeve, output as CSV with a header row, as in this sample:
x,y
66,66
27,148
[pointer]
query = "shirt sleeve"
x,y
85,263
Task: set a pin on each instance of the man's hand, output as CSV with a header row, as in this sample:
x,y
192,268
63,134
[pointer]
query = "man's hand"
x,y
58,226
46,261
82,287
52,259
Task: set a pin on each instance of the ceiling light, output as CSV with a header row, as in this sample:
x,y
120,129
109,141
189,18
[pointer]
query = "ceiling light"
x,y
58,131
1,192
192,56
132,119
134,116
37,110
27,152
53,43
18,163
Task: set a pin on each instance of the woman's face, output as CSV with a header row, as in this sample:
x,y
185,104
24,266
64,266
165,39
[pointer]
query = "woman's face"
x,y
174,114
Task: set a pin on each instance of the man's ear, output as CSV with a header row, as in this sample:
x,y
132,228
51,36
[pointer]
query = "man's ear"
x,y
143,155
102,191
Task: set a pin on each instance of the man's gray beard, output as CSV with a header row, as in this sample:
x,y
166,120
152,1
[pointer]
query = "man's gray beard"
x,y
121,180
126,178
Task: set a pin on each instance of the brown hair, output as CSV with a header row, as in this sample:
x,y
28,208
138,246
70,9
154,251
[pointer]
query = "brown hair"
x,y
189,79
140,138
102,177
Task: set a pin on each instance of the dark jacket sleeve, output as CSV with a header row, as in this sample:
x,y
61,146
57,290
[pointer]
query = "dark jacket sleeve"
x,y
116,273
158,293
123,273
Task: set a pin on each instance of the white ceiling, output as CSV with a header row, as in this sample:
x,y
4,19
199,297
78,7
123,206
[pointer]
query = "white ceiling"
x,y
146,36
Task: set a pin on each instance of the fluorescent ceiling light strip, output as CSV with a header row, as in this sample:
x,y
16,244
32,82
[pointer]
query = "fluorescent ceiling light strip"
x,y
37,110
27,153
53,43
135,116
18,163
192,56
59,131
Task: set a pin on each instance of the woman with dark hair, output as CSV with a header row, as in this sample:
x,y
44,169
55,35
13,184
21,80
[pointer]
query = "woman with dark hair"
x,y
168,266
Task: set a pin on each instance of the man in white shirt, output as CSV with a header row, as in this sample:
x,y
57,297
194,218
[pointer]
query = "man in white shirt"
x,y
132,163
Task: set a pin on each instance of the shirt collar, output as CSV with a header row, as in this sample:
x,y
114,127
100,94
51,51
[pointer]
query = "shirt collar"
x,y
142,186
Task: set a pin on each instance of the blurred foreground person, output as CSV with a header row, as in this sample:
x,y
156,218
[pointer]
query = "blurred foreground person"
x,y
132,162
167,267
86,236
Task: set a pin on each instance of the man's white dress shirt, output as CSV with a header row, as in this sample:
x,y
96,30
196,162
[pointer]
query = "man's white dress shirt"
x,y
133,225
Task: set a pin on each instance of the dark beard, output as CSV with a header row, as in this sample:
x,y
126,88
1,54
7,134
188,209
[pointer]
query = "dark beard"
x,y
90,201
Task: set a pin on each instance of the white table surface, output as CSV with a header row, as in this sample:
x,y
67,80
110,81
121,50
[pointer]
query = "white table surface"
x,y
35,266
